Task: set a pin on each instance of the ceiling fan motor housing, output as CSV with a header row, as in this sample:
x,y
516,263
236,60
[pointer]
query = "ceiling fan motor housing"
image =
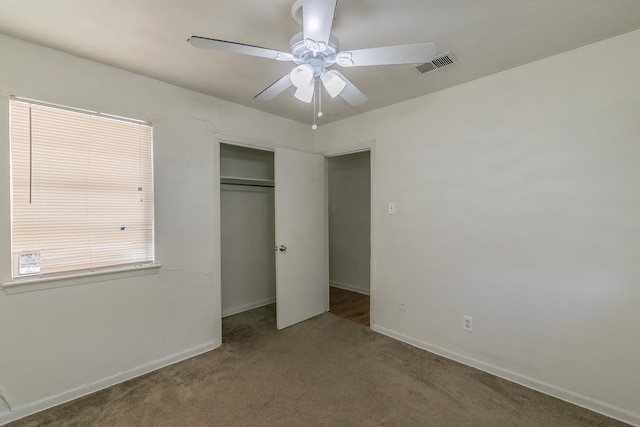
x,y
318,60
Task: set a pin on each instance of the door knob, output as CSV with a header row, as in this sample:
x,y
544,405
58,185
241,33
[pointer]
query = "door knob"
x,y
282,248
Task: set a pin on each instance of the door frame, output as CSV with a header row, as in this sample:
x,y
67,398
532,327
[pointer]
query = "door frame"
x,y
342,151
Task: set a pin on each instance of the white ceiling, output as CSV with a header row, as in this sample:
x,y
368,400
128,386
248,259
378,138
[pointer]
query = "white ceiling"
x,y
149,37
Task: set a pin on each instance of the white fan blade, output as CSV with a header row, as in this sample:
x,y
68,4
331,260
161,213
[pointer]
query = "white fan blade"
x,y
275,89
350,93
404,54
245,49
317,19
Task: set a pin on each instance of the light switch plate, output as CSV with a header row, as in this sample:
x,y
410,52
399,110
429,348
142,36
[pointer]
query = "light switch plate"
x,y
392,208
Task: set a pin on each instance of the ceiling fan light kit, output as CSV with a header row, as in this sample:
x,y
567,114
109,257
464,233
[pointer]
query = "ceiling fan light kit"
x,y
333,83
314,50
305,94
302,75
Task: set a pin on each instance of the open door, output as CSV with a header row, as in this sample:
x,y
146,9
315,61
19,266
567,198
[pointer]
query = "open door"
x,y
301,282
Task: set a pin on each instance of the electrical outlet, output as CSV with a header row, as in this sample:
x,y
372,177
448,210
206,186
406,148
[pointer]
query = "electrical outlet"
x,y
403,305
467,323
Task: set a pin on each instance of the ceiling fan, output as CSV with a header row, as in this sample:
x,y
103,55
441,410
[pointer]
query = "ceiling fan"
x,y
314,50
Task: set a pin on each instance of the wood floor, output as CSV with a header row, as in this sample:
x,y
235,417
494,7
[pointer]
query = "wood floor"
x,y
350,305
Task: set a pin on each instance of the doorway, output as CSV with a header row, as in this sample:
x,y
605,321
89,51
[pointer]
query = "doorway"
x,y
349,191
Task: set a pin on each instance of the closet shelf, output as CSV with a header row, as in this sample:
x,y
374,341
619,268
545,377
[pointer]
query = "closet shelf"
x,y
246,181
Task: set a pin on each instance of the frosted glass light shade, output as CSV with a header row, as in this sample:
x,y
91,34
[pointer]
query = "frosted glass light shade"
x,y
305,94
301,76
333,83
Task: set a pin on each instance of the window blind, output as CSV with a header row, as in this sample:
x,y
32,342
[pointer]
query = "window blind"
x,y
82,190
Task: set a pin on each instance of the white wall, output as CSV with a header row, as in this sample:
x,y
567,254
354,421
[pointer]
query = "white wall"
x,y
60,343
349,178
243,162
518,204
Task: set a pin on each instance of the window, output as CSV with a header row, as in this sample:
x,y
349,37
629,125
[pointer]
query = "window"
x,y
81,190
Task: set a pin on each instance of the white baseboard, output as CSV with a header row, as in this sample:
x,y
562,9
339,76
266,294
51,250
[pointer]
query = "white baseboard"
x,y
348,287
235,310
58,399
543,387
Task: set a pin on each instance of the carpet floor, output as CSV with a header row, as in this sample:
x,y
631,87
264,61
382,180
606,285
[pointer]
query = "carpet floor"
x,y
326,371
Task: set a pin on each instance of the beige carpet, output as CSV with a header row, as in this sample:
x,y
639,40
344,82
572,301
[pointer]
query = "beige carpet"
x,y
326,371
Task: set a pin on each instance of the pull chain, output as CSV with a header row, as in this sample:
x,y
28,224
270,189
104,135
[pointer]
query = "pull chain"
x,y
315,91
319,100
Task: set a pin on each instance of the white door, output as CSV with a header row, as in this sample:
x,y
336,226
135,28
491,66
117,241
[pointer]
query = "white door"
x,y
301,282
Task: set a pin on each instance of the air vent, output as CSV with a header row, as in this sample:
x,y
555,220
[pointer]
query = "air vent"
x,y
438,62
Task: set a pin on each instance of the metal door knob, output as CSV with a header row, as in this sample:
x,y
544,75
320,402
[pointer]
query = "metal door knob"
x,y
282,248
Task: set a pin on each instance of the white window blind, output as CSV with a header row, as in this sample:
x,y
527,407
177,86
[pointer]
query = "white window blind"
x,y
82,190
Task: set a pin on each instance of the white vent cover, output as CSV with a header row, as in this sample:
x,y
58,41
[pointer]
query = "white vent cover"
x,y
440,61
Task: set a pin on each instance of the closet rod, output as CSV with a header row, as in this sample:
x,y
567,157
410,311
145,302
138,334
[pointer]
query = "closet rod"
x,y
248,185
254,182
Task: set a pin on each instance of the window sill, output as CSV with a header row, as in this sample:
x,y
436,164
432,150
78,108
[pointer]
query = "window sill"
x,y
17,286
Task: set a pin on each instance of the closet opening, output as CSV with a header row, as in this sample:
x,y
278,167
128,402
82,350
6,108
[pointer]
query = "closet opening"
x,y
349,191
247,230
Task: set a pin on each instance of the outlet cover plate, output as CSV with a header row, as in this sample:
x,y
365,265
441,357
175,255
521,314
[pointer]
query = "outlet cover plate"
x,y
467,323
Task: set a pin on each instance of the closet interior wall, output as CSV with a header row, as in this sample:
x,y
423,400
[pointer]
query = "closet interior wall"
x,y
247,228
